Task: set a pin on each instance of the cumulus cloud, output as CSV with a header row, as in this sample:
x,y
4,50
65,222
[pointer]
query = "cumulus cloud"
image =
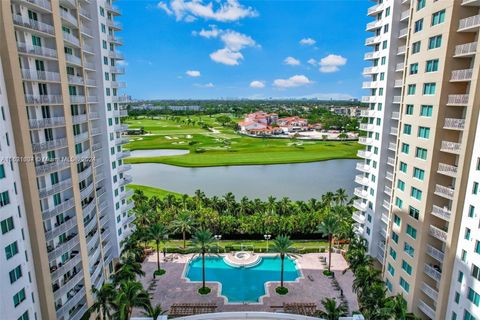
x,y
294,81
257,84
233,43
193,73
291,61
206,85
227,56
307,42
312,62
219,10
331,63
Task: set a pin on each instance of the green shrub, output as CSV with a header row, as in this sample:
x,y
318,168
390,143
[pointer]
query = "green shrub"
x,y
204,290
327,273
160,272
281,290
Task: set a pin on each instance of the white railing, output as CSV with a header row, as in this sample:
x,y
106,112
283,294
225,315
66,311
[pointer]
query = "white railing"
x,y
364,154
91,82
33,24
440,212
45,98
46,122
359,192
470,22
41,3
79,118
448,146
360,218
373,24
360,205
466,49
437,233
364,140
461,75
390,161
426,309
452,123
73,59
36,50
85,13
388,190
403,32
32,74
432,272
366,126
87,191
394,131
392,146
389,175
386,204
405,14
44,168
115,55
444,191
447,169
71,38
375,8
92,99
77,99
119,70
362,167
384,218
114,24
399,66
75,79
435,253
89,65
398,83
395,115
68,17
47,191
372,40
81,137
47,145
402,50
457,99
361,179
52,212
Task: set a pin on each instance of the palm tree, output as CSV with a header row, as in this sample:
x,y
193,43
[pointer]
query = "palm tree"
x,y
183,224
341,196
284,247
203,243
158,233
332,310
365,277
396,309
329,226
104,302
153,312
131,294
357,258
128,270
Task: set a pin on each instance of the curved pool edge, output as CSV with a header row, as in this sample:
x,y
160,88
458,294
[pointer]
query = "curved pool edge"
x,y
266,284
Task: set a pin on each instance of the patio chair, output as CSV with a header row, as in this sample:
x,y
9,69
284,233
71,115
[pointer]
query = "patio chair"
x,y
305,309
189,309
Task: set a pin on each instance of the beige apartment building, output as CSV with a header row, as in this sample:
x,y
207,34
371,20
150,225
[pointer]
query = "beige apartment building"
x,y
430,231
60,68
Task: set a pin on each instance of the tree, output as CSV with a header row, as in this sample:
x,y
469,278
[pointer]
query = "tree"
x,y
183,223
104,302
332,310
203,243
223,119
153,311
130,294
127,270
396,309
158,233
328,227
284,247
341,196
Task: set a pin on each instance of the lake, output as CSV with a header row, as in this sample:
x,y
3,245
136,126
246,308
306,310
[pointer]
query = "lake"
x,y
300,181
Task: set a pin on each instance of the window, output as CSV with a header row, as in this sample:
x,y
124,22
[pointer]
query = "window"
x,y
475,188
460,276
405,148
418,174
421,153
423,132
464,256
389,285
468,316
426,111
438,17
391,270
407,129
406,267
404,284
434,42
15,274
429,88
401,185
416,193
473,297
24,316
36,41
457,297
409,249
393,254
398,202
475,272
416,47
7,225
394,237
411,89
431,66
397,220
418,25
4,199
420,4
477,247
2,171
11,250
414,68
471,211
19,297
467,233
409,109
387,12
411,231
403,167
413,212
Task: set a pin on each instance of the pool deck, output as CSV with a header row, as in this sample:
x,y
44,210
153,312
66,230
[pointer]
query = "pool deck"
x,y
313,287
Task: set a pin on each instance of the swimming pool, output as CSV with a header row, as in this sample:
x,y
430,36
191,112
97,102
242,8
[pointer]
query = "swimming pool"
x,y
240,285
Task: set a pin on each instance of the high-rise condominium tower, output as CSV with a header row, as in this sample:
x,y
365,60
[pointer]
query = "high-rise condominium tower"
x,y
63,203
418,207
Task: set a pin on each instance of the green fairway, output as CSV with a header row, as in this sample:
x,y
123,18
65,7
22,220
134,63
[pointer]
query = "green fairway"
x,y
222,146
150,191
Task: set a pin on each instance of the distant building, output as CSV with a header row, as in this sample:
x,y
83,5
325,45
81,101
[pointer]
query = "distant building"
x,y
145,107
262,123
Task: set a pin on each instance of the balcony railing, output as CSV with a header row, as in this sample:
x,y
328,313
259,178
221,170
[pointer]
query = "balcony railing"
x,y
43,99
451,147
394,131
426,309
361,179
440,212
36,50
438,233
447,169
86,191
390,161
402,50
375,9
48,191
395,115
364,154
457,99
403,33
61,228
363,167
386,204
360,192
405,15
61,248
114,24
445,192
373,40
64,206
73,59
398,83
44,168
71,38
469,23
360,205
392,146
389,176
388,190
432,272
384,218
455,124
45,4
80,118
49,145
466,49
46,122
435,253
68,17
364,140
33,24
77,99
462,75
366,126
399,66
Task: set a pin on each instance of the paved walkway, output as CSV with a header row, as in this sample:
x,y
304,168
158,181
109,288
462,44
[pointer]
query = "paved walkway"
x,y
171,288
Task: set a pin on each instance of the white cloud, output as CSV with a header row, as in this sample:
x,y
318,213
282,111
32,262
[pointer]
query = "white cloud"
x,y
236,41
212,33
218,10
227,56
257,84
206,85
307,41
312,62
291,61
331,63
294,81
193,73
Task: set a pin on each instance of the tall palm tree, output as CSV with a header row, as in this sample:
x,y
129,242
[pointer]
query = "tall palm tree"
x,y
341,196
328,227
365,277
333,311
183,223
104,302
203,243
284,247
158,233
130,294
128,270
153,311
396,309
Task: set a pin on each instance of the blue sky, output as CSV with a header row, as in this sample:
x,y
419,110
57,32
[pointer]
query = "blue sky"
x,y
204,49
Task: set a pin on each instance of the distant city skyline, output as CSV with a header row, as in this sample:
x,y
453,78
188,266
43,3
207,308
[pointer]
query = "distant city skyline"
x,y
243,49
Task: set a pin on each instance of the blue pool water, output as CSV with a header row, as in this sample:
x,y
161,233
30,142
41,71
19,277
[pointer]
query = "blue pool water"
x,y
242,284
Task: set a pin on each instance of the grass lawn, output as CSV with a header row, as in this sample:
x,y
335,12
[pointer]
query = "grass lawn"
x,y
151,191
225,147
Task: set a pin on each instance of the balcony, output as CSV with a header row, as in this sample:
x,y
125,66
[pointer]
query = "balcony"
x,y
120,128
384,219
77,99
364,154
86,172
126,194
46,122
389,176
115,55
388,190
43,99
120,113
362,167
86,191
130,219
73,59
392,146
450,147
365,140
68,245
386,204
366,126
370,70
80,118
444,192
91,82
367,113
361,179
89,65
360,205
58,271
126,180
432,272
48,167
61,228
43,4
373,10
464,75
123,154
402,50
438,233
369,84
68,17
399,67
435,253
49,145
118,84
71,39
89,33
373,41
371,55
469,24
454,124
75,80
465,50
447,170
114,25
368,99
360,192
74,298
426,309
36,50
403,33
394,131
116,40
52,212
475,3
93,115
390,161
383,233
55,188
83,12
405,15
396,115
398,83
443,213
33,24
